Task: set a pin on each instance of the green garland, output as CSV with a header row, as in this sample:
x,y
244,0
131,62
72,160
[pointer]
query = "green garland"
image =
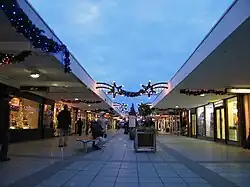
x,y
6,58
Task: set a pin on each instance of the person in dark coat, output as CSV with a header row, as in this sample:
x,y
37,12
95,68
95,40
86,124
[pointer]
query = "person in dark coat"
x,y
126,127
64,122
79,124
97,131
4,128
88,123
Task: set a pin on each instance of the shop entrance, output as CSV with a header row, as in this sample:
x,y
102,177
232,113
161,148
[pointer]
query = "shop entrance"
x,y
220,123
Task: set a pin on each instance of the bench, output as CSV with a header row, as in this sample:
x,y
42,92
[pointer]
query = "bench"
x,y
85,142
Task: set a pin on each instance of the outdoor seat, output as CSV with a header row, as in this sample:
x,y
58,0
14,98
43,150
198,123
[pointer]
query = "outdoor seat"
x,y
85,142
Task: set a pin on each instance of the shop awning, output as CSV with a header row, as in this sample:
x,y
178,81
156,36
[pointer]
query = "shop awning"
x,y
69,86
220,61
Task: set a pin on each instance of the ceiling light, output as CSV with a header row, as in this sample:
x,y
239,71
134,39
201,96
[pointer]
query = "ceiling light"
x,y
89,105
176,106
34,75
202,95
76,99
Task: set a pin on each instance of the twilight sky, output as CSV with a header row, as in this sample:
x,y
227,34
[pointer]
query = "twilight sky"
x,y
131,41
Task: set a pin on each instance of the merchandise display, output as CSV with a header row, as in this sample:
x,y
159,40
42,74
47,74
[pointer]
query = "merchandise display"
x,y
23,114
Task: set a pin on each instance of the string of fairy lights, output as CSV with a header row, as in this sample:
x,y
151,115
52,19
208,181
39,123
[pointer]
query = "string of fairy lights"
x,y
115,90
24,26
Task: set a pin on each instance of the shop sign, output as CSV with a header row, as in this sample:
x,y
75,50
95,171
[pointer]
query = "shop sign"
x,y
34,88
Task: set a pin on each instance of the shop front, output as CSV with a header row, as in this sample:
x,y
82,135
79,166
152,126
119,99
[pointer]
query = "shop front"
x,y
217,121
27,115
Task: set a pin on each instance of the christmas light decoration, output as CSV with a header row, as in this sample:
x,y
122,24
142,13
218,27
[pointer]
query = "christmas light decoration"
x,y
23,25
77,101
6,58
148,90
202,92
121,106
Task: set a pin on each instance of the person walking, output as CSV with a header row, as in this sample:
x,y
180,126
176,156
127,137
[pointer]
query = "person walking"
x,y
64,122
97,134
79,124
104,123
88,124
4,128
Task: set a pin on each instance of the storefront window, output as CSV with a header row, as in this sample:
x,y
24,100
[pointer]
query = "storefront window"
x,y
232,119
48,116
201,122
209,111
24,114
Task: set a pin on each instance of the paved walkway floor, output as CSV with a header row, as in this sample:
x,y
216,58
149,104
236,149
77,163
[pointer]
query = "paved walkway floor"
x,y
178,162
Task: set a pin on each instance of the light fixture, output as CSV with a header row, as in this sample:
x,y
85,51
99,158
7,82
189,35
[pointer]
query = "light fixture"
x,y
76,99
88,111
89,105
202,95
34,74
238,90
176,106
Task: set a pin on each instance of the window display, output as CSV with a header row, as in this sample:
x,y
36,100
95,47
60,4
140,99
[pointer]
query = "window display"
x,y
24,113
233,119
209,111
201,122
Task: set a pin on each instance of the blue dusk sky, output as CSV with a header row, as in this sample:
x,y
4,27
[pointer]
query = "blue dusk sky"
x,y
131,41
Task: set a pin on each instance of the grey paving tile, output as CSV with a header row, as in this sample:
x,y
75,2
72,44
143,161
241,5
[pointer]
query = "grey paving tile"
x,y
77,166
151,184
127,179
148,174
104,179
126,184
187,173
98,184
163,173
198,180
175,185
171,180
108,173
201,185
149,179
59,179
88,173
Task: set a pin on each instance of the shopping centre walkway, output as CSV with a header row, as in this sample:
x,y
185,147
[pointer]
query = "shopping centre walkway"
x,y
178,162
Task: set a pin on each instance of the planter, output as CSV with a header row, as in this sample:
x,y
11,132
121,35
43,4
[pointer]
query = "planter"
x,y
145,140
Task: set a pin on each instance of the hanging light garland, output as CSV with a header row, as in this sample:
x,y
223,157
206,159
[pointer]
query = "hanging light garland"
x,y
77,101
121,106
202,92
6,58
149,89
23,25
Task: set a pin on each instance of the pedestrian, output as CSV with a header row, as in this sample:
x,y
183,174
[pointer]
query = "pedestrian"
x,y
79,124
4,128
64,122
87,127
97,132
104,123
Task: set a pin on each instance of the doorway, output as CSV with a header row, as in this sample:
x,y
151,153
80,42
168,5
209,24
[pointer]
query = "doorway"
x,y
193,125
220,123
